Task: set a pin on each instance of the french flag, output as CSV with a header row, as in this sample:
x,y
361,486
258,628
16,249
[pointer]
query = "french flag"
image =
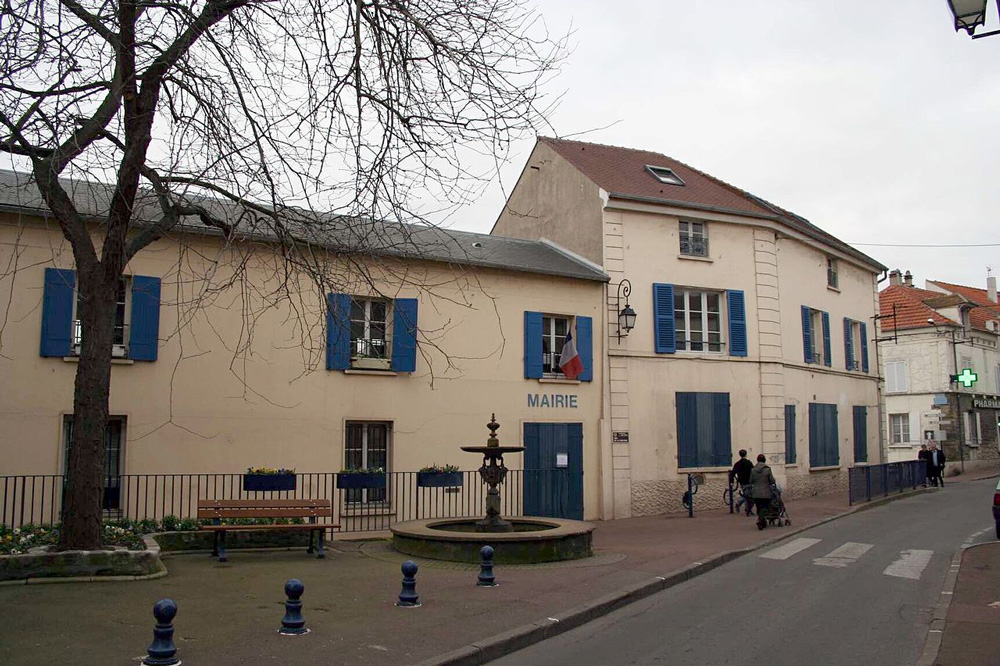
x,y
569,360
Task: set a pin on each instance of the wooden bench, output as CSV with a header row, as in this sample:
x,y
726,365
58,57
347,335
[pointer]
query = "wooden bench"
x,y
312,509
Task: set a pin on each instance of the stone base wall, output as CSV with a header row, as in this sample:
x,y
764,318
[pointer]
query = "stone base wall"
x,y
815,483
203,540
650,498
83,564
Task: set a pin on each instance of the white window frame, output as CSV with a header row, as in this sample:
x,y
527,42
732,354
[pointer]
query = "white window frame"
x,y
665,175
832,273
903,422
856,344
553,341
683,319
123,320
362,346
693,238
816,323
894,371
368,495
973,426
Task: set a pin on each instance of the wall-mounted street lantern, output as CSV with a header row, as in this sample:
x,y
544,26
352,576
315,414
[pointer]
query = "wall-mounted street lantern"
x,y
626,315
969,15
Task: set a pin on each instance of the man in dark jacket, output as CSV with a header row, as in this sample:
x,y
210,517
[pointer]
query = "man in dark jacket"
x,y
925,455
741,473
935,462
761,480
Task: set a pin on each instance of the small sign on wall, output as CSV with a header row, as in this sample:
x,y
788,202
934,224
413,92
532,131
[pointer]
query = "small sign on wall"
x,y
619,436
562,460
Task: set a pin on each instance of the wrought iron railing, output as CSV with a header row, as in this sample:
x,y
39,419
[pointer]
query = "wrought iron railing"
x,y
37,499
867,482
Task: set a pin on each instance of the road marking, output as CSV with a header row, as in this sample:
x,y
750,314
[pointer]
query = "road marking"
x,y
791,548
844,555
911,564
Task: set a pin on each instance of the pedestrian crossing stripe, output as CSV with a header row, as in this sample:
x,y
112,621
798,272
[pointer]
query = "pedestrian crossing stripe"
x,y
911,564
791,548
844,555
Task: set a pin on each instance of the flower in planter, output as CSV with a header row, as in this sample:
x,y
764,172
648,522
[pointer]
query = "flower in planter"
x,y
268,471
439,469
364,470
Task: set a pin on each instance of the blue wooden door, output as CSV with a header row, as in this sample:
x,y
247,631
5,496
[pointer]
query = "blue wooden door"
x,y
553,470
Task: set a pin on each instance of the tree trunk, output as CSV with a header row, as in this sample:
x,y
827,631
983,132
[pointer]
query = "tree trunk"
x,y
81,514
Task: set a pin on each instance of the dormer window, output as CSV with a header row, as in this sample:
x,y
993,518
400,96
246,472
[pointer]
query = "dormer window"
x,y
664,175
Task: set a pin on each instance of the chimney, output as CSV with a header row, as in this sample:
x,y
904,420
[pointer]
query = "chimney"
x,y
991,288
908,279
895,278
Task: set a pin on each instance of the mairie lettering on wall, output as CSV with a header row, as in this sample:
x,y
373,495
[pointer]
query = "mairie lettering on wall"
x,y
555,400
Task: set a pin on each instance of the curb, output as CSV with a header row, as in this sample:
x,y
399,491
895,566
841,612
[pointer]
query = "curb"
x,y
521,637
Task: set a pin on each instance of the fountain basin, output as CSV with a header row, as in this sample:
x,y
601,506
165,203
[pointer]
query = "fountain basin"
x,y
534,539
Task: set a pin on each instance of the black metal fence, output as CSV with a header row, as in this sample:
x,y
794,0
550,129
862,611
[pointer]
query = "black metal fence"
x,y
400,496
870,481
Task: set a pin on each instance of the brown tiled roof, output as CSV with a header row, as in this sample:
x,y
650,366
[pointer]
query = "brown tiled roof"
x,y
622,173
911,312
985,309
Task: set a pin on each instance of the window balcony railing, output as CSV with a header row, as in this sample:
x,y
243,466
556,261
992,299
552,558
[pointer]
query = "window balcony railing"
x,y
696,246
120,337
370,348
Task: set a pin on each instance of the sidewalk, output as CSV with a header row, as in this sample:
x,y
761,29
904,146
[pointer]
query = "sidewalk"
x,y
229,613
972,628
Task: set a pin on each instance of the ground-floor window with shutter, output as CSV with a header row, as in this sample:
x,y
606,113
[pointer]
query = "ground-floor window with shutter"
x,y
860,434
824,450
111,460
790,457
703,430
366,447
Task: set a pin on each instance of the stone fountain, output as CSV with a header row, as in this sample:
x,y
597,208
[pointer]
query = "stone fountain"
x,y
514,540
493,472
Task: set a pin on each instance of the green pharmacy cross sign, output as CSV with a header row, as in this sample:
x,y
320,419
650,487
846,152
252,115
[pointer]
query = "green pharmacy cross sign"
x,y
967,378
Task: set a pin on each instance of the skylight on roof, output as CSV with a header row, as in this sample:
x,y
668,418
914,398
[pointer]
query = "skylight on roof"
x,y
664,175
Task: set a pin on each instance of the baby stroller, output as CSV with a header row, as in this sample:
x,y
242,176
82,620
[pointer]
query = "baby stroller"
x,y
776,514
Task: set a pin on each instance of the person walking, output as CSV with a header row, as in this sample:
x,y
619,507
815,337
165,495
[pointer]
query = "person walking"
x,y
936,462
741,474
925,455
761,483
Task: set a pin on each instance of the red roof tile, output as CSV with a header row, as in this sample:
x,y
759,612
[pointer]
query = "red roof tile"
x,y
986,309
910,309
622,171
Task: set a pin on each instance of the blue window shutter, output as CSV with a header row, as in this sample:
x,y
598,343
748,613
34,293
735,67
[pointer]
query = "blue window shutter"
x,y
687,430
807,340
789,434
864,347
533,345
585,347
860,434
814,433
663,316
338,331
404,335
833,435
848,346
737,323
144,329
722,444
827,356
57,312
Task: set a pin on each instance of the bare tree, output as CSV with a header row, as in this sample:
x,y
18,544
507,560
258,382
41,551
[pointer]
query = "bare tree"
x,y
283,107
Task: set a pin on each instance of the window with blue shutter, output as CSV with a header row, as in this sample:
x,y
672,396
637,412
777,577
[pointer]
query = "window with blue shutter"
x,y
704,437
585,347
663,319
848,346
864,347
737,323
827,356
338,331
860,434
824,448
533,345
807,334
57,312
404,335
144,328
790,434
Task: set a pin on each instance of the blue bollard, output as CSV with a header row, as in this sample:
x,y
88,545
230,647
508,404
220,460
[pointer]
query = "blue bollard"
x,y
162,651
293,624
486,577
408,597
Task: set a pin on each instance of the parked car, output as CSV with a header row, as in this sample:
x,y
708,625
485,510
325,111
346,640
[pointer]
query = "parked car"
x,y
996,508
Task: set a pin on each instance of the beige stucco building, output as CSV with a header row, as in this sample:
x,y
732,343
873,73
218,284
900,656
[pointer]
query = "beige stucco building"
x,y
215,371
753,331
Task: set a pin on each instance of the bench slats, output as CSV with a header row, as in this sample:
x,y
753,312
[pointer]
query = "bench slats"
x,y
265,513
263,504
231,528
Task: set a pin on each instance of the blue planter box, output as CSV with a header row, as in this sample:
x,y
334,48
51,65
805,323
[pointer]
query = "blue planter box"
x,y
439,479
264,482
365,480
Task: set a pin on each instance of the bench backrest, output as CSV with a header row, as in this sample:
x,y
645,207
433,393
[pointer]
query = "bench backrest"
x,y
268,508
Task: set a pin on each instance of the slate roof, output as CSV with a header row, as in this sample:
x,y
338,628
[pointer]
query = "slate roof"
x,y
622,173
337,233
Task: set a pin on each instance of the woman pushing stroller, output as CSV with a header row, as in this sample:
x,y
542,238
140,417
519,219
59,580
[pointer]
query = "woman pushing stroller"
x,y
761,481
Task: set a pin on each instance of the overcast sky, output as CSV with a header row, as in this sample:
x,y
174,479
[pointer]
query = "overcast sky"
x,y
877,124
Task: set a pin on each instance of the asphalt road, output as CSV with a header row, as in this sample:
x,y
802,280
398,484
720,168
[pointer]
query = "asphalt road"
x,y
858,590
